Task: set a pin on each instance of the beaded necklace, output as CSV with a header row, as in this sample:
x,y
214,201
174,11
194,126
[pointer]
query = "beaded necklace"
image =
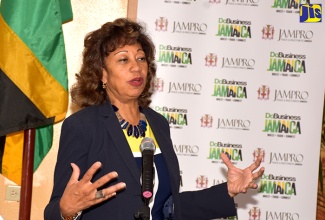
x,y
133,130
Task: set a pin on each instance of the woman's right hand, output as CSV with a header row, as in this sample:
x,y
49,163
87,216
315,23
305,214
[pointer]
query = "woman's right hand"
x,y
81,194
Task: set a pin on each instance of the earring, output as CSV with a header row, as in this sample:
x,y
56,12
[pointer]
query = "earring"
x,y
104,85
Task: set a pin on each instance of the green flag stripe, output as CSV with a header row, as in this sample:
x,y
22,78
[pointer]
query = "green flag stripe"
x,y
43,143
66,10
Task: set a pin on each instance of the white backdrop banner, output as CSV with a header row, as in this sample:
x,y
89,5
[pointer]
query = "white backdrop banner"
x,y
243,77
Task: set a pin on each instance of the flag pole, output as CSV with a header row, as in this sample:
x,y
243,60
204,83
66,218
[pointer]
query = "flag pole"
x,y
27,174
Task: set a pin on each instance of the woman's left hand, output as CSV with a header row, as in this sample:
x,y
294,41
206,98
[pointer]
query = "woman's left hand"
x,y
240,180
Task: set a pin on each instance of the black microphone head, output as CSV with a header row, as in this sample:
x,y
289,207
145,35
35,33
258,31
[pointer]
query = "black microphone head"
x,y
147,144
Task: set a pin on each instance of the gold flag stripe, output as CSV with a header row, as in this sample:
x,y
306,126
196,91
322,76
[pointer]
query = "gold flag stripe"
x,y
13,157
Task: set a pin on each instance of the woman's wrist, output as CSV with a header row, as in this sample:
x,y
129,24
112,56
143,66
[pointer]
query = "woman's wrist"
x,y
71,217
232,195
68,212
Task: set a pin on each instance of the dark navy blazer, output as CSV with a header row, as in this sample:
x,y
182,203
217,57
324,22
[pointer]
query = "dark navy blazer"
x,y
94,134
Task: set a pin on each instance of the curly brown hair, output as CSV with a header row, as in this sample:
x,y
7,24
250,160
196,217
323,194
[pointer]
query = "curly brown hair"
x,y
99,44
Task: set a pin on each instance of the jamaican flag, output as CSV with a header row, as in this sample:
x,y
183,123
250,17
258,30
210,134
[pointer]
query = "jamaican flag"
x,y
33,77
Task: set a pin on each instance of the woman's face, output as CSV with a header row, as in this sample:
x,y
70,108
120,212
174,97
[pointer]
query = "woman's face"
x,y
125,73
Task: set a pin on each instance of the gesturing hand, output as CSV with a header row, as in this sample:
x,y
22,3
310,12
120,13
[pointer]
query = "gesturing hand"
x,y
240,180
79,195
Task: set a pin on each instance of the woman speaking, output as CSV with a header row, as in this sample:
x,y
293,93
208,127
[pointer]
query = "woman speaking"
x,y
98,171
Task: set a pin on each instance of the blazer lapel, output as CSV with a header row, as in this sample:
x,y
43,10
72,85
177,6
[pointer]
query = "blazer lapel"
x,y
120,143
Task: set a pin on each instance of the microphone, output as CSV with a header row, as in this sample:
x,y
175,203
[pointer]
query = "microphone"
x,y
147,148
